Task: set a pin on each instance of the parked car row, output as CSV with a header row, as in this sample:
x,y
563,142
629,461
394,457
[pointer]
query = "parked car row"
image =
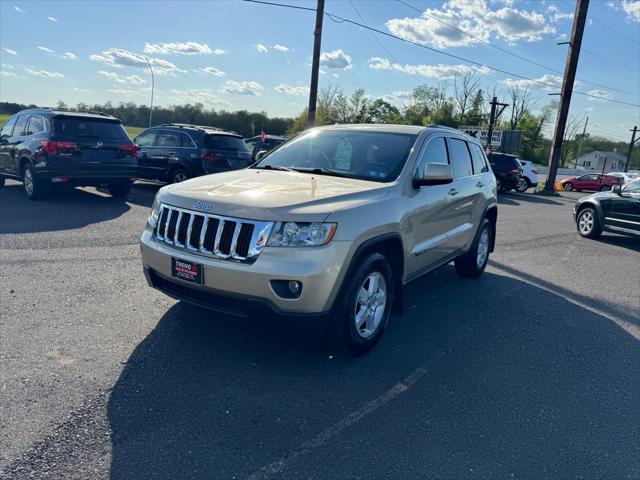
x,y
45,147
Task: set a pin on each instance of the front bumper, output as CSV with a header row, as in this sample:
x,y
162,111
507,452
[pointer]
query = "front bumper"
x,y
320,270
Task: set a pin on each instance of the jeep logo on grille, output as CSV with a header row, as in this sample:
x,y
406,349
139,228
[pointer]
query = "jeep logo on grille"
x,y
202,206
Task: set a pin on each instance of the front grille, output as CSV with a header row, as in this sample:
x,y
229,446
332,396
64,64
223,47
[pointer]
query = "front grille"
x,y
211,235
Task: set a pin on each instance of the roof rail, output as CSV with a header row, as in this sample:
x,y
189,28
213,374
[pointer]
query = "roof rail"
x,y
201,127
76,110
435,125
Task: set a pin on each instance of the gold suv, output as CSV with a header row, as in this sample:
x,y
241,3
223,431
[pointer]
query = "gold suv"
x,y
329,226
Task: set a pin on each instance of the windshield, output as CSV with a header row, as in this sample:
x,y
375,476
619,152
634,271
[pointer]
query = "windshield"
x,y
225,142
376,156
89,127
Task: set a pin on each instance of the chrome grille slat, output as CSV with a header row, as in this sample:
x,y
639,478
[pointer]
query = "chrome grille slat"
x,y
214,230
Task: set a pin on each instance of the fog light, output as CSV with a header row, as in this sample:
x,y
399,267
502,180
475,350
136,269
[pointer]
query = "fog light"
x,y
294,287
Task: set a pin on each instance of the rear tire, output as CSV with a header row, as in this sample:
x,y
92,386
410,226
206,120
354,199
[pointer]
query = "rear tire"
x,y
34,188
499,186
588,224
179,175
362,315
473,263
119,190
523,185
605,188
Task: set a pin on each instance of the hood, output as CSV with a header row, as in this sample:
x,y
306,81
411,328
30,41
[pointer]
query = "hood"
x,y
599,196
271,195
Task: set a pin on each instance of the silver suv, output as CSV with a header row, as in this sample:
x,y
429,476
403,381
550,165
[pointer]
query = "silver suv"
x,y
329,226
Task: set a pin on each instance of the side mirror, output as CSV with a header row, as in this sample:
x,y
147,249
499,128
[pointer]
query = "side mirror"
x,y
434,174
260,155
617,189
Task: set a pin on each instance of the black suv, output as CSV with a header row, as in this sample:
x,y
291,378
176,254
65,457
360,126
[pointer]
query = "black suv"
x,y
263,143
507,170
174,152
44,147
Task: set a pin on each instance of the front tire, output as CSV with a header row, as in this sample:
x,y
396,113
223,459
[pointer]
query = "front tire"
x,y
473,263
588,224
33,187
567,187
605,188
119,190
362,316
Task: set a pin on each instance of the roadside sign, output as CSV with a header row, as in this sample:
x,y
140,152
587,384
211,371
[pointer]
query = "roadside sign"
x,y
481,134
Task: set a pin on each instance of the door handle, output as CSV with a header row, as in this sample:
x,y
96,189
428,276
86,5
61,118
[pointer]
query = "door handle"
x,y
479,184
453,192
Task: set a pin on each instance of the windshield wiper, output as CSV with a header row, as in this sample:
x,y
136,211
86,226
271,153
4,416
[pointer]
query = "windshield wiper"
x,y
276,167
322,171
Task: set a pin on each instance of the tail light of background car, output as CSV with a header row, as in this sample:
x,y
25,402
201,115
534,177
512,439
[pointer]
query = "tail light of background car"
x,y
210,156
535,172
515,171
128,151
59,148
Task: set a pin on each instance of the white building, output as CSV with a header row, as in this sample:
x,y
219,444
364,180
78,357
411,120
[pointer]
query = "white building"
x,y
594,161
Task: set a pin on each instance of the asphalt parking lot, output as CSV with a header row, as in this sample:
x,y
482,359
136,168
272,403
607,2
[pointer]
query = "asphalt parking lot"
x,y
531,371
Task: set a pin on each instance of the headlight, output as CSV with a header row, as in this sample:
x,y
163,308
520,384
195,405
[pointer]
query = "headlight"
x,y
298,234
155,210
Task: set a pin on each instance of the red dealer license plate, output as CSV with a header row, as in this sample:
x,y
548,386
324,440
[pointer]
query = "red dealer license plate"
x,y
186,270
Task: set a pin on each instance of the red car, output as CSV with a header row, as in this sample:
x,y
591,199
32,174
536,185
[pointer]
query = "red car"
x,y
591,182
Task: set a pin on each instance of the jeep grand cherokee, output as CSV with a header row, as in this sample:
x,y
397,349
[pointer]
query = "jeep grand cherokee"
x,y
331,225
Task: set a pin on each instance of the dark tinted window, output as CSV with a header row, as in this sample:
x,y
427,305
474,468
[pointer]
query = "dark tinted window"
x,y
21,125
225,142
186,142
36,125
479,162
460,158
504,162
168,139
89,127
377,156
7,128
145,139
270,144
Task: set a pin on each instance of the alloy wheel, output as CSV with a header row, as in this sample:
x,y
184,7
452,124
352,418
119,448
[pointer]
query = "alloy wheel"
x,y
370,304
585,222
483,248
28,181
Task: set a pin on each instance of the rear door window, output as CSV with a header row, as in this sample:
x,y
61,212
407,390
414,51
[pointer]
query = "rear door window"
x,y
21,126
225,142
479,160
435,152
36,125
186,142
460,158
168,139
89,128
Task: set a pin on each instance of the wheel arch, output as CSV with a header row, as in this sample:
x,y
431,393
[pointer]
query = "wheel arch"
x,y
594,205
390,245
491,214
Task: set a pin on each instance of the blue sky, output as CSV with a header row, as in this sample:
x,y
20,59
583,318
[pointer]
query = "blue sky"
x,y
235,55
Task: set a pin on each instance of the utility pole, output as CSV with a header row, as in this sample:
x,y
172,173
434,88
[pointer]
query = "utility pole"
x,y
631,144
153,82
493,118
315,65
584,132
570,68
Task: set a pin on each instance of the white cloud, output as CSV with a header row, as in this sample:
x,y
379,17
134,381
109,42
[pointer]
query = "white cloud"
x,y
211,71
336,59
125,92
554,82
601,94
6,65
130,79
5,73
45,49
291,90
43,73
242,88
10,52
562,37
282,48
82,90
557,15
69,56
18,9
52,19
204,96
632,9
261,48
117,57
182,48
444,27
439,71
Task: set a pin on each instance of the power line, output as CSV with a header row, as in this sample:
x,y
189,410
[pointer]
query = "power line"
x,y
613,29
297,7
588,52
508,52
339,19
380,41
